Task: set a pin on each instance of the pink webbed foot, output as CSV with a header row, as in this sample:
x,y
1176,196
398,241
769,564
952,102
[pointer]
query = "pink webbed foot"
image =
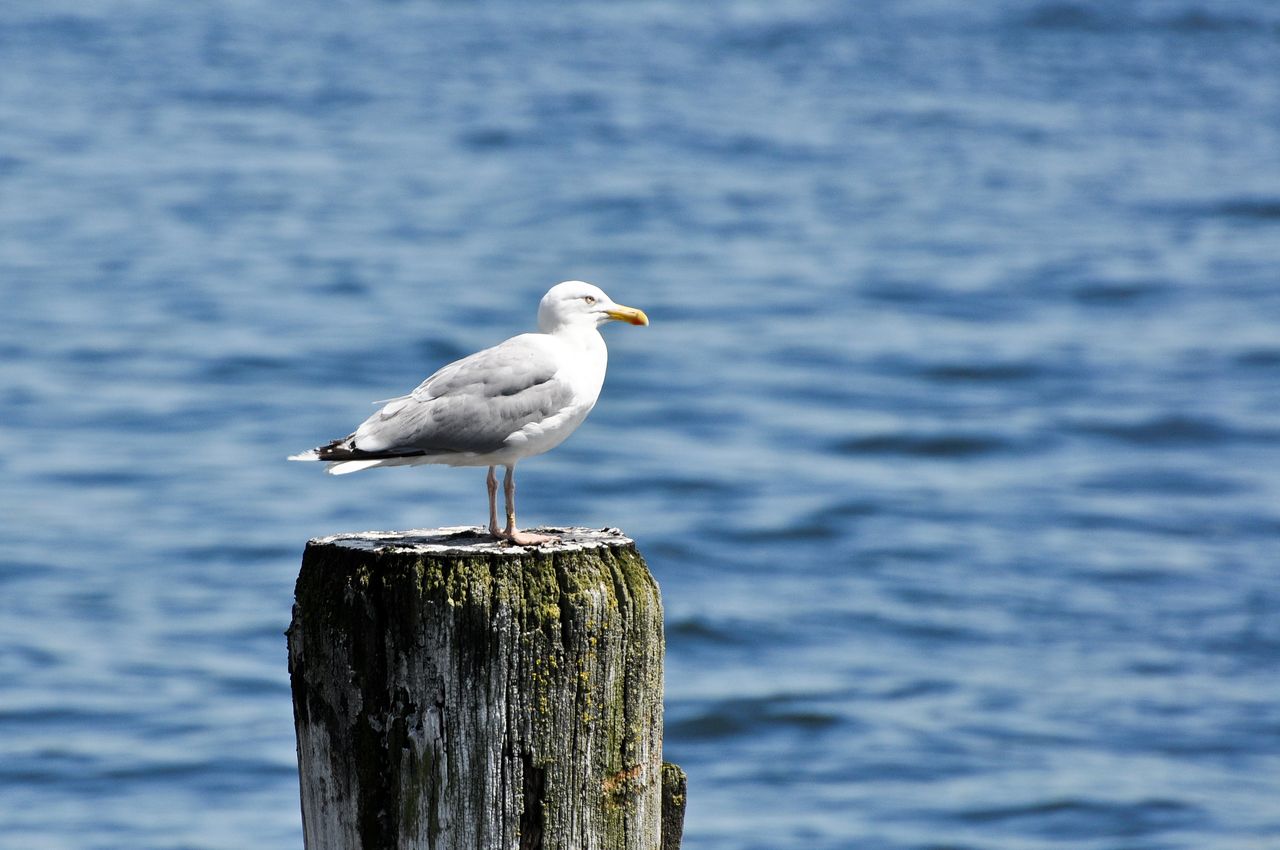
x,y
526,538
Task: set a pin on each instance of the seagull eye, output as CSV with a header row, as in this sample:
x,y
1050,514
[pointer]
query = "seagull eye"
x,y
590,299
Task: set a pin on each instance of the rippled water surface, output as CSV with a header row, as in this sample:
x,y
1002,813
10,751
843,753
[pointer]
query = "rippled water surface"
x,y
953,442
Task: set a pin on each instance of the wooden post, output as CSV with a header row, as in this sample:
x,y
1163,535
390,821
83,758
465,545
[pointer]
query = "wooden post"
x,y
675,785
454,693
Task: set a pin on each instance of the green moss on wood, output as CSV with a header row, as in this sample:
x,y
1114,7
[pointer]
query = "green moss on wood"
x,y
565,645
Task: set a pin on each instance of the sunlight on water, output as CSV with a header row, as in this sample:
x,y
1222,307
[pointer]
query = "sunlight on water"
x,y
952,443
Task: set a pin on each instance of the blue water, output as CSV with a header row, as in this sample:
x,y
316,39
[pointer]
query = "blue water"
x,y
953,443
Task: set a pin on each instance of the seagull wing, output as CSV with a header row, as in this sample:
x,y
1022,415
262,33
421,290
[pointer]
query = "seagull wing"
x,y
472,405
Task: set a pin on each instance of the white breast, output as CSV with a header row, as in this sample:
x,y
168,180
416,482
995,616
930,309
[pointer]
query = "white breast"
x,y
586,359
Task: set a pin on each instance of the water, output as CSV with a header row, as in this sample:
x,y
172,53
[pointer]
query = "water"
x,y
953,442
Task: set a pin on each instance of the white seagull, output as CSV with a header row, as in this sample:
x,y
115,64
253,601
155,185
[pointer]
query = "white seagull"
x,y
520,398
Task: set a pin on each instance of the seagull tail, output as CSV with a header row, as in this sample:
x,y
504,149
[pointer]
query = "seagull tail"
x,y
340,467
348,466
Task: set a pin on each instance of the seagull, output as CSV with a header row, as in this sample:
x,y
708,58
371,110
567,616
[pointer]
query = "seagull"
x,y
495,407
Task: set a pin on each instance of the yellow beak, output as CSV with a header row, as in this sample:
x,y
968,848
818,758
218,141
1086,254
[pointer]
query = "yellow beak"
x,y
629,315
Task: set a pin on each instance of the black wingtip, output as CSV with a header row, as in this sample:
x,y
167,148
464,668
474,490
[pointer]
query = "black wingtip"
x,y
344,449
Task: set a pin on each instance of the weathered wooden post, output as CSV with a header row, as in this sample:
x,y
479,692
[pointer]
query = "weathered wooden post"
x,y
454,693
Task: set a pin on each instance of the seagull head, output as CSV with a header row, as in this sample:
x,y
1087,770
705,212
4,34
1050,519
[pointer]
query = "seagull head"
x,y
575,303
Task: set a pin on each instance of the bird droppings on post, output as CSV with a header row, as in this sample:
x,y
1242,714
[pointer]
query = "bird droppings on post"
x,y
473,539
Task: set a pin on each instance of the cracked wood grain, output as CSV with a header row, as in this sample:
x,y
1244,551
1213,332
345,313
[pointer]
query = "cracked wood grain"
x,y
452,693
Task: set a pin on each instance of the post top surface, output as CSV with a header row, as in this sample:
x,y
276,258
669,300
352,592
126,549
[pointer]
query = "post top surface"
x,y
473,540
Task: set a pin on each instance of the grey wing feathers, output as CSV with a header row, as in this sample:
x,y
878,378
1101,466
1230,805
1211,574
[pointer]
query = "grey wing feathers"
x,y
472,405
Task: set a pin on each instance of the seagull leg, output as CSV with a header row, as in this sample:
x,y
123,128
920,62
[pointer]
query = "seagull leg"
x,y
492,482
520,538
